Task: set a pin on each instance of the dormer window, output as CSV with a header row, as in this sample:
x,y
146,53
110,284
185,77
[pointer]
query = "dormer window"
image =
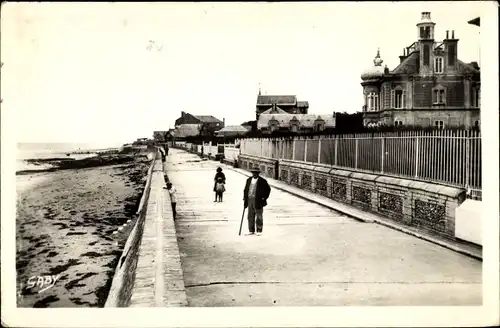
x,y
319,124
438,65
273,124
294,124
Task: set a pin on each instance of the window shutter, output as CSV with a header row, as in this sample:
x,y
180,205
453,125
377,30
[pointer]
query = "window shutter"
x,y
403,100
393,95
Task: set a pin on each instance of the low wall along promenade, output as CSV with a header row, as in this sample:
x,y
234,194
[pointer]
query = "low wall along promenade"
x,y
427,206
123,279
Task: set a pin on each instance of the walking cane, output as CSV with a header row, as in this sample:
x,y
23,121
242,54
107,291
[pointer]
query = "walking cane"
x,y
241,224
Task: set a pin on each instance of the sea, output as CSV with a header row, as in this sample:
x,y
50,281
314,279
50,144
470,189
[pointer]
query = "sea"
x,y
27,151
56,150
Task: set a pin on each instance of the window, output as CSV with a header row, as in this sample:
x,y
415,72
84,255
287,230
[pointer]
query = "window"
x,y
451,55
427,32
319,126
373,102
438,65
476,124
439,96
398,98
477,98
426,55
294,128
422,32
439,124
398,123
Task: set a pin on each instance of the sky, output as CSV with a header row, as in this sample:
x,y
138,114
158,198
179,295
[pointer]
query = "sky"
x,y
83,72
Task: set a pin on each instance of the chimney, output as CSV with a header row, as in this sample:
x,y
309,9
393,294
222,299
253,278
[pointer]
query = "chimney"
x,y
223,122
451,47
183,114
447,37
403,57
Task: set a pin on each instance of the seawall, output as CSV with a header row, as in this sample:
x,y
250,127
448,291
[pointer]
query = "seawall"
x,y
123,279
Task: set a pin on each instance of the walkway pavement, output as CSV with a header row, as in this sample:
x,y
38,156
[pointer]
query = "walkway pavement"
x,y
307,255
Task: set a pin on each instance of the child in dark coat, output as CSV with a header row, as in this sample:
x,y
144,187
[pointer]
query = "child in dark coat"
x,y
220,188
218,175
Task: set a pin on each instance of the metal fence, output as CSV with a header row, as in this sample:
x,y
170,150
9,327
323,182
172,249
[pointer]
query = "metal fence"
x,y
450,157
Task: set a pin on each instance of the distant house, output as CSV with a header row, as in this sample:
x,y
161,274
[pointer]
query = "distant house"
x,y
232,131
208,123
250,125
278,120
289,104
187,130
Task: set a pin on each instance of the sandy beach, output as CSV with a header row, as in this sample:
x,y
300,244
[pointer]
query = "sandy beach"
x,y
65,224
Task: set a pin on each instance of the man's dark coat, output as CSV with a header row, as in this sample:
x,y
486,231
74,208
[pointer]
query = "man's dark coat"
x,y
261,193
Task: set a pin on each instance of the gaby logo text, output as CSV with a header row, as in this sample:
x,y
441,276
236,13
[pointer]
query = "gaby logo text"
x,y
43,282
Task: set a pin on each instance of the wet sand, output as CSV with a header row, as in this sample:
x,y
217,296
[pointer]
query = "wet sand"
x,y
65,223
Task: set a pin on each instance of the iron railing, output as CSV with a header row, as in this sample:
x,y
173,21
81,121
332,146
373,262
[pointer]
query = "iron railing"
x,y
449,157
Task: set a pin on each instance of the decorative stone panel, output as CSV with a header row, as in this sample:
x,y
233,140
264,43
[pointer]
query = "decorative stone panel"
x,y
429,215
320,185
284,175
263,169
339,190
270,172
306,181
390,203
362,196
294,177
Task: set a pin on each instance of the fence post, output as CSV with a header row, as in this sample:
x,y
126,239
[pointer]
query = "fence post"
x,y
293,149
336,148
319,150
467,160
416,157
356,154
383,155
305,150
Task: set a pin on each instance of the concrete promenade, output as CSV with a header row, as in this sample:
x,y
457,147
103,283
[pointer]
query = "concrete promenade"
x,y
307,255
158,278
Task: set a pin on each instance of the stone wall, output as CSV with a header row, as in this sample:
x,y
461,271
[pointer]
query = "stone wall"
x,y
426,206
266,166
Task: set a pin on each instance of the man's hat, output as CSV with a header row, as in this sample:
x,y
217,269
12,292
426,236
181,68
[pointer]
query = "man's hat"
x,y
255,169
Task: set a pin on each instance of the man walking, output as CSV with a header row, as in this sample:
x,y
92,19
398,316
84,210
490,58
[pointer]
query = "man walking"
x,y
255,197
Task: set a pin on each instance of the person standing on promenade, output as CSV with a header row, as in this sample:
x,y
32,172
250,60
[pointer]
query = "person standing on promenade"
x,y
220,188
162,154
218,175
173,198
255,197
